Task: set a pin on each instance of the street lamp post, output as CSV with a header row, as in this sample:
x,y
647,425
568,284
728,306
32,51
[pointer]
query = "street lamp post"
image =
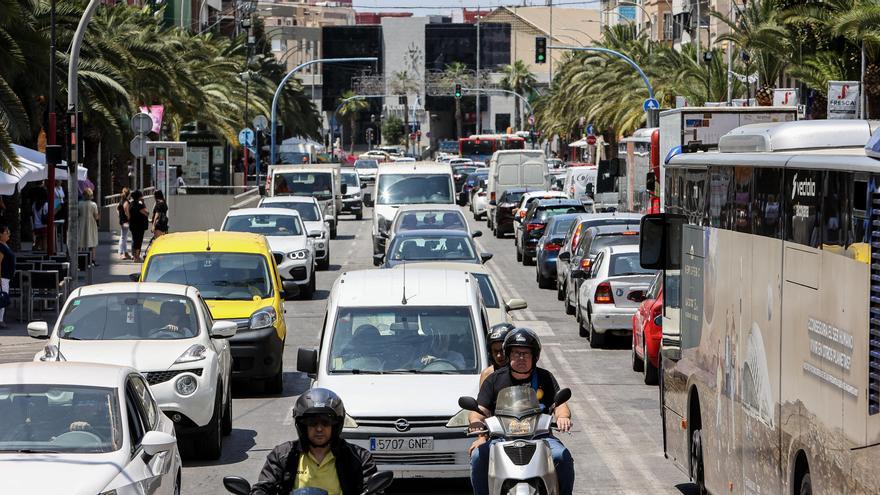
x,y
289,75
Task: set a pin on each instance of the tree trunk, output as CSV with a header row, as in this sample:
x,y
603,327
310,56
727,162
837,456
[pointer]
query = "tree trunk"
x,y
351,135
406,127
458,123
517,122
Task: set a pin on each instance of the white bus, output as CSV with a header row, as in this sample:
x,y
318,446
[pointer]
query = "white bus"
x,y
770,376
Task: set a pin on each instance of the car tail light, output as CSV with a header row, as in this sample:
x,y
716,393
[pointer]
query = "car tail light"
x,y
535,226
629,232
603,294
586,263
550,246
577,235
492,196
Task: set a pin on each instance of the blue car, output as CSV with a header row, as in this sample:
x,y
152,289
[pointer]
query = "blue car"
x,y
548,248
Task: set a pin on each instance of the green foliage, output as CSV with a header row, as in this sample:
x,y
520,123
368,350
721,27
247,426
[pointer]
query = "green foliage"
x,y
393,130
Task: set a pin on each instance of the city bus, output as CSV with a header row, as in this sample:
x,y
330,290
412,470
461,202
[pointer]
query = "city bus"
x,y
770,356
635,157
480,147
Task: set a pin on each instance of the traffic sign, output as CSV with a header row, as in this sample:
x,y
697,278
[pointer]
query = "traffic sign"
x,y
591,140
138,146
141,123
590,130
246,136
260,122
651,104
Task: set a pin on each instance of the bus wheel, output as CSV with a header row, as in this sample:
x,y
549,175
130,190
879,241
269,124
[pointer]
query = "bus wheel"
x,y
806,485
697,468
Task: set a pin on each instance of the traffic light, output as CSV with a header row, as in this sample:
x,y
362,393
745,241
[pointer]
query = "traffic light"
x,y
540,50
458,90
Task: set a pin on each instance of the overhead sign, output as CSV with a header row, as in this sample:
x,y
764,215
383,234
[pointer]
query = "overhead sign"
x,y
141,123
246,136
843,99
651,104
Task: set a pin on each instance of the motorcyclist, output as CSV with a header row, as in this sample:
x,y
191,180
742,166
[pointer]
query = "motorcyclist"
x,y
522,348
495,340
320,458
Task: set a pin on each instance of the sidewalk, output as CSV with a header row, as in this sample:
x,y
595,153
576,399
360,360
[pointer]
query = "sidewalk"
x,y
15,345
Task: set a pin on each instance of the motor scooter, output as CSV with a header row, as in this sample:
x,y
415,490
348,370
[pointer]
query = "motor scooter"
x,y
376,484
520,461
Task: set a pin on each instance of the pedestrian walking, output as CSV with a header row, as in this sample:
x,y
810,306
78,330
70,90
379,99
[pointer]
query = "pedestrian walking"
x,y
7,270
138,223
122,210
160,215
88,226
40,217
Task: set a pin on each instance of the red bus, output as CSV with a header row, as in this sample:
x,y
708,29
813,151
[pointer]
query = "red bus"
x,y
480,147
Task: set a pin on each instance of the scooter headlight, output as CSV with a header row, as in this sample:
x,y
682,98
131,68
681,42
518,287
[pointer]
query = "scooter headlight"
x,y
518,427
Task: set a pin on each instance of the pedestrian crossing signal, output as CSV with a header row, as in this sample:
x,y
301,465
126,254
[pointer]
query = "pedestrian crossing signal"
x,y
458,90
540,50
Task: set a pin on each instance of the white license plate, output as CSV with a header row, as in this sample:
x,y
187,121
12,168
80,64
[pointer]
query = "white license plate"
x,y
401,444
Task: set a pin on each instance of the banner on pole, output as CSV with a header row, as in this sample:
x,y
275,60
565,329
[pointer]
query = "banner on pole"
x,y
843,99
785,97
156,112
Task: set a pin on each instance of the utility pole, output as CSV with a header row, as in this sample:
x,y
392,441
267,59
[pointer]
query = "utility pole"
x,y
50,162
479,115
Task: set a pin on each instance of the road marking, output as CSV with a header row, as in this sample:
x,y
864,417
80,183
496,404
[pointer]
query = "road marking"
x,y
506,288
541,327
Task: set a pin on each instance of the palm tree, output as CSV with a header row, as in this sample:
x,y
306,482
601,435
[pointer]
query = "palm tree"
x,y
351,107
452,75
519,79
403,83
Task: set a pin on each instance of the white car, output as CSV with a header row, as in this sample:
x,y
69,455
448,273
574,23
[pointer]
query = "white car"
x,y
480,202
312,217
428,217
165,331
402,159
366,169
401,346
293,249
83,429
376,154
609,295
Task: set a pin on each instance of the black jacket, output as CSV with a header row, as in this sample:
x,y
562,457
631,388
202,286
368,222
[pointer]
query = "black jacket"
x,y
353,466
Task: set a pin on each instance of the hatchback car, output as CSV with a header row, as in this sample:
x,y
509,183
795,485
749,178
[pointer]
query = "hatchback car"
x,y
647,327
430,217
535,221
352,200
524,202
548,247
82,429
312,217
472,181
238,277
610,294
166,332
294,250
431,245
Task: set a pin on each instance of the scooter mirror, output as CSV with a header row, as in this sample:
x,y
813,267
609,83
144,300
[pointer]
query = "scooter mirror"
x,y
562,397
237,485
379,481
468,404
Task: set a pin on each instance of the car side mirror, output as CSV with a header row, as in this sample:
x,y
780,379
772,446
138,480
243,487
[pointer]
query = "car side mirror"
x,y
134,277
484,257
344,188
290,288
38,330
223,329
307,360
379,481
279,258
378,259
477,233
579,274
468,404
515,304
368,199
155,441
636,296
565,256
236,485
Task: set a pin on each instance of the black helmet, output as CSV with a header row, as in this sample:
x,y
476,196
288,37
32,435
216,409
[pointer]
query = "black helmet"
x,y
523,337
318,402
498,332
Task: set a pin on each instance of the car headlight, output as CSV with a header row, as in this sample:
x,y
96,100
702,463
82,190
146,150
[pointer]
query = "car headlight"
x,y
298,255
349,422
263,318
460,420
186,385
196,352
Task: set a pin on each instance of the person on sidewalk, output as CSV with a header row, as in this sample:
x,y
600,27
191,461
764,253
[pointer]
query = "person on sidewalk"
x,y
138,218
122,210
40,217
7,266
160,215
88,226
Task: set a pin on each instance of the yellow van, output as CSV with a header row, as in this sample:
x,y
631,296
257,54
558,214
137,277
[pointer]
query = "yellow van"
x,y
238,277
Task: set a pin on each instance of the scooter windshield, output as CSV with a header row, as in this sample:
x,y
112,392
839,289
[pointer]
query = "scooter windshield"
x,y
309,491
517,401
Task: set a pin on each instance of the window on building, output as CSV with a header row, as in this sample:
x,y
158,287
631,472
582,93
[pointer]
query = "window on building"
x,y
278,45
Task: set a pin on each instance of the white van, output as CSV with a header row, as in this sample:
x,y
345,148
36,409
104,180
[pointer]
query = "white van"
x,y
419,183
320,181
400,347
516,168
580,183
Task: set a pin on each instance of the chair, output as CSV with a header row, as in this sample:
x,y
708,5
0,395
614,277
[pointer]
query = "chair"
x,y
45,286
18,287
25,266
64,273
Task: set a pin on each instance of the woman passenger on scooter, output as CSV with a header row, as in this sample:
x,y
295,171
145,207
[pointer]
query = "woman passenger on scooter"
x,y
495,341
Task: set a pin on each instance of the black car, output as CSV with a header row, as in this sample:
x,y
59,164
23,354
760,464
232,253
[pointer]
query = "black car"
x,y
501,220
535,220
413,246
460,174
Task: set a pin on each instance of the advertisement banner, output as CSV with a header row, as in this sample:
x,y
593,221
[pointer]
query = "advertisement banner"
x,y
843,99
785,97
156,112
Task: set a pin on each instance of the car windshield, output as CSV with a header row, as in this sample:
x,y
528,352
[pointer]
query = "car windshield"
x,y
476,177
350,179
316,184
308,212
271,225
604,241
404,339
403,189
463,169
431,219
431,248
366,164
218,276
626,264
129,316
65,419
490,299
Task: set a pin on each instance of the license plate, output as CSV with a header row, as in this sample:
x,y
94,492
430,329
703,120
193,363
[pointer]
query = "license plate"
x,y
401,444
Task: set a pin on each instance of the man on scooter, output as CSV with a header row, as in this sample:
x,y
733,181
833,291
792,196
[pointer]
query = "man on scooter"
x,y
320,458
522,349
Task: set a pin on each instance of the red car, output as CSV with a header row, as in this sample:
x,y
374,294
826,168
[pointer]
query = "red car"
x,y
648,331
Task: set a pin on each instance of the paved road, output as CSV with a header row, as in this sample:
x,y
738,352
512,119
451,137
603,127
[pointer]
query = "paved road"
x,y
616,435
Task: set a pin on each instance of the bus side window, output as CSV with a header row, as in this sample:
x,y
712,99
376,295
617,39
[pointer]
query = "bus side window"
x,y
767,203
836,210
741,199
720,179
859,229
802,220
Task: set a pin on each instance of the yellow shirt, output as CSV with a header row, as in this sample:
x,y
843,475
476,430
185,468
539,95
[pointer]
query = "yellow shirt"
x,y
310,474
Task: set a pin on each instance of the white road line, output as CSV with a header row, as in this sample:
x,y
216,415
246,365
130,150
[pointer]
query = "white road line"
x,y
541,327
